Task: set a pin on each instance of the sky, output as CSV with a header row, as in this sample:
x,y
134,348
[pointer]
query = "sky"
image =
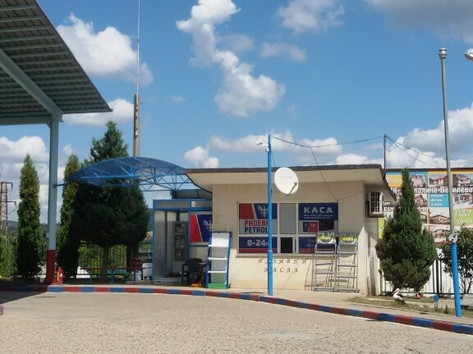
x,y
328,80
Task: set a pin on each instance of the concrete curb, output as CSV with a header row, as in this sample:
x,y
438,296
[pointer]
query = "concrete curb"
x,y
373,315
378,316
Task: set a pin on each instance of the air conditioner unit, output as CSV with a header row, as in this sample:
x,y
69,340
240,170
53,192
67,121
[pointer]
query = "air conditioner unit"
x,y
375,204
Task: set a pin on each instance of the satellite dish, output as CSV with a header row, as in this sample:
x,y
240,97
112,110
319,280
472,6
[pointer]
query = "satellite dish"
x,y
286,181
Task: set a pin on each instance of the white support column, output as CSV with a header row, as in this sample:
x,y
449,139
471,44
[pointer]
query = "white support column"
x,y
52,197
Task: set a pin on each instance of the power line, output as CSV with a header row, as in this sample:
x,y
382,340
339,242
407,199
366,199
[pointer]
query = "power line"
x,y
312,147
327,145
403,149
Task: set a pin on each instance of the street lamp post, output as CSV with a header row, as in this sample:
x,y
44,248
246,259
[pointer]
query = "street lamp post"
x,y
270,220
452,238
269,216
469,54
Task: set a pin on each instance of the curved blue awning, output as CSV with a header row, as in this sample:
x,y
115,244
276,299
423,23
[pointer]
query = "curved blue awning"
x,y
152,174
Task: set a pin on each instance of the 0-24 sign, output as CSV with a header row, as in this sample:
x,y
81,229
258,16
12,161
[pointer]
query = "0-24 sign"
x,y
256,244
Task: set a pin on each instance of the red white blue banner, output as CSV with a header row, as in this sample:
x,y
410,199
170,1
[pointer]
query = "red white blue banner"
x,y
200,227
253,218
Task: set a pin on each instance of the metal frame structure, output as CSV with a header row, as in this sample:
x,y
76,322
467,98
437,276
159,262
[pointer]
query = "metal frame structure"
x,y
40,81
152,174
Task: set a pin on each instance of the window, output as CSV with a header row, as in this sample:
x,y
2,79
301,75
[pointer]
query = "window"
x,y
295,226
287,218
287,226
287,244
376,203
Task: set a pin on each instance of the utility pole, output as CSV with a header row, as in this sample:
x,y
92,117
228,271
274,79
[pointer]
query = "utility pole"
x,y
4,206
136,111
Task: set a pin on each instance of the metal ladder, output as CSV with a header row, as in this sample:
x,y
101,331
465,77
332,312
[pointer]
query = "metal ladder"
x,y
346,274
324,262
335,262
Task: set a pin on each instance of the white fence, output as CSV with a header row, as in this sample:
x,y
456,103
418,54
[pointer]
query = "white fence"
x,y
440,282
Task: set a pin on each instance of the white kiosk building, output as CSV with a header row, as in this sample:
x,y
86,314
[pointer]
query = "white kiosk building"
x,y
323,236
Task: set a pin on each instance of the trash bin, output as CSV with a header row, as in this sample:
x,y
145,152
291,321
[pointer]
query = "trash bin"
x,y
147,271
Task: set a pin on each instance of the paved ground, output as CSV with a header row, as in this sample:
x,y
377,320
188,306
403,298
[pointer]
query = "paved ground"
x,y
135,318
149,319
334,302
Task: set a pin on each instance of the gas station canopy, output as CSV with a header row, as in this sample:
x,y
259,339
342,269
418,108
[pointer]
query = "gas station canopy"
x,y
39,75
40,81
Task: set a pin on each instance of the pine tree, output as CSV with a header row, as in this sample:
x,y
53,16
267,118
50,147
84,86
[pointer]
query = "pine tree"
x,y
406,250
31,245
110,215
67,244
110,146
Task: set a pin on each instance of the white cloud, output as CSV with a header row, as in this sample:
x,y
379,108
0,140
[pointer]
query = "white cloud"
x,y
241,93
448,18
303,151
201,26
16,151
175,99
237,43
199,157
317,151
417,149
122,111
68,150
401,155
249,143
287,51
311,15
106,53
12,156
241,145
348,159
432,141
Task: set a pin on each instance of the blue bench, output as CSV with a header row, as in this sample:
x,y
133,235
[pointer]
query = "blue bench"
x,y
113,271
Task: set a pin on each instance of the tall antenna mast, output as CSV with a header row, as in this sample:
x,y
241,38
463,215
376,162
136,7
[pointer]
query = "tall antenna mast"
x,y
136,116
4,206
384,155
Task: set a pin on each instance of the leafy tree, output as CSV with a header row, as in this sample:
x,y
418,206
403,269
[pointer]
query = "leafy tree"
x,y
406,250
67,245
465,258
110,215
31,245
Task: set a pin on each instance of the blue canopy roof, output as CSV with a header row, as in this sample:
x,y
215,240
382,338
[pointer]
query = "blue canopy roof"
x,y
151,174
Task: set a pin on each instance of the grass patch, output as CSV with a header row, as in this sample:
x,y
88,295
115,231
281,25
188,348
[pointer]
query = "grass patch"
x,y
423,304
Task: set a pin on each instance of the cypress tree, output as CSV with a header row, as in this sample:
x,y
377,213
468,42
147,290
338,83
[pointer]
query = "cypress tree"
x,y
31,245
7,255
406,250
67,244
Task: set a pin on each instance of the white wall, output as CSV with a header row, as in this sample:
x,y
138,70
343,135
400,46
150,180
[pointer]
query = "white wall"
x,y
291,271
